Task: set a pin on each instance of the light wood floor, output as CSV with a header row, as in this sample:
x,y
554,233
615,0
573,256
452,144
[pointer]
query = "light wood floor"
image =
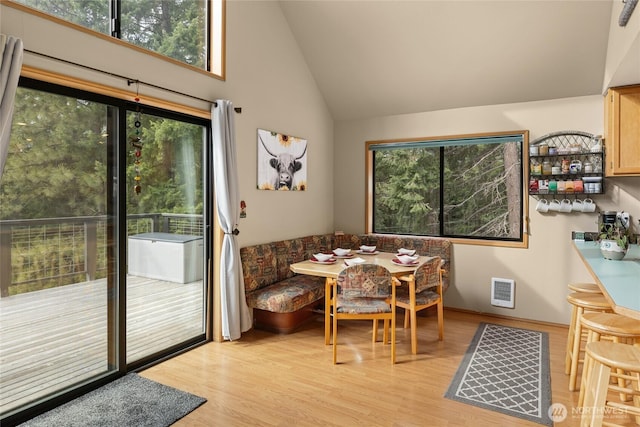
x,y
265,379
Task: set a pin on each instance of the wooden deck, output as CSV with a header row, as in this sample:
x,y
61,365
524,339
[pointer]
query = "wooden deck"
x,y
55,338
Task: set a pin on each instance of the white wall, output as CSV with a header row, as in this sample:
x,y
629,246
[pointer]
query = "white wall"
x,y
270,80
542,271
267,77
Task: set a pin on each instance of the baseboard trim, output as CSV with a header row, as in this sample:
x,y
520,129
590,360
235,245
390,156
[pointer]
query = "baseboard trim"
x,y
502,316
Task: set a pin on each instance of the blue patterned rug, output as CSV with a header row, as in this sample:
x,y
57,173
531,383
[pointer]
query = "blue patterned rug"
x,y
506,370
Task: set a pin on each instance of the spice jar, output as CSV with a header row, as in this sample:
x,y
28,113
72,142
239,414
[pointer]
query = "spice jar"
x,y
536,167
543,149
568,187
578,186
561,186
546,167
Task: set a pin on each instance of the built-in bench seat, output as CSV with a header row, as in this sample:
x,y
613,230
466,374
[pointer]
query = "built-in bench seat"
x,y
283,301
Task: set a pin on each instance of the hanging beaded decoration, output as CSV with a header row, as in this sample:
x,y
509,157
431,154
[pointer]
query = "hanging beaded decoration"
x,y
136,143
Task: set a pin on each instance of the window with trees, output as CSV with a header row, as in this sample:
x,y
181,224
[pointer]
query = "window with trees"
x,y
189,31
467,186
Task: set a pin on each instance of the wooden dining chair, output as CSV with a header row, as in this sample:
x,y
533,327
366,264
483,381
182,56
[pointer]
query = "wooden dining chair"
x,y
423,290
364,291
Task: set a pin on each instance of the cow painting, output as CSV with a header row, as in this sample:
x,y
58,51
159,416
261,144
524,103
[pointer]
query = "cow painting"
x,y
281,162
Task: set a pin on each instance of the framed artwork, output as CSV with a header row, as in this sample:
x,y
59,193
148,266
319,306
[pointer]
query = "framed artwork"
x,y
282,162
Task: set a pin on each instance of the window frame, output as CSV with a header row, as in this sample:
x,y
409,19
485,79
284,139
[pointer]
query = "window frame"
x,y
484,241
216,40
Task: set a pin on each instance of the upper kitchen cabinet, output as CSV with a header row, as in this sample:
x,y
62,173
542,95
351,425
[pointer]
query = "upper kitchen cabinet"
x,y
622,131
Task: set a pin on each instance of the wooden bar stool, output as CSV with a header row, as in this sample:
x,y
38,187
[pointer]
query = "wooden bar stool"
x,y
617,328
588,288
607,358
581,302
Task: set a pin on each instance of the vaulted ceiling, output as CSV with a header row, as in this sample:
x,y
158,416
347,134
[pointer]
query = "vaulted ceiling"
x,y
384,57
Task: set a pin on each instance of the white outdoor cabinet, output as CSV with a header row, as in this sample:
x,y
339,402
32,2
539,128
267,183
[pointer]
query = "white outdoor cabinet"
x,y
166,256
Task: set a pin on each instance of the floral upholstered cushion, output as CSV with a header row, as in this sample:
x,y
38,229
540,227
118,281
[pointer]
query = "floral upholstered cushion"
x,y
364,288
348,241
320,243
287,253
258,266
423,298
288,295
428,274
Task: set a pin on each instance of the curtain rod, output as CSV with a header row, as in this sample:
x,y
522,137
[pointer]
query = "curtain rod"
x,y
129,80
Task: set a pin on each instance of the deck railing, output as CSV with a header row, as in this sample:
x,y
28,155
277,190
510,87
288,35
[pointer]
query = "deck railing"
x,y
43,253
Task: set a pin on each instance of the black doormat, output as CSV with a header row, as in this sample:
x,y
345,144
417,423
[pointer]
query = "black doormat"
x,y
128,401
506,370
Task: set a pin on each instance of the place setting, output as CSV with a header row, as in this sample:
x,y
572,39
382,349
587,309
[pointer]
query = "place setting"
x,y
368,250
354,261
342,253
321,258
406,257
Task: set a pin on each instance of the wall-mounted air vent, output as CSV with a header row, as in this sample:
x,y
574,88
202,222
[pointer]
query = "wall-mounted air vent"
x,y
502,292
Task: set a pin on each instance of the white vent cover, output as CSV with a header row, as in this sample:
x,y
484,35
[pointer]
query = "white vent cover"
x,y
502,292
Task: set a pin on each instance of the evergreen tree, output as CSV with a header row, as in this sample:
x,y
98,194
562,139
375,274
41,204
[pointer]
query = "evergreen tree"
x,y
481,186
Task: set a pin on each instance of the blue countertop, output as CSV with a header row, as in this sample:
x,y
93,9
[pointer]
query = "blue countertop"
x,y
619,280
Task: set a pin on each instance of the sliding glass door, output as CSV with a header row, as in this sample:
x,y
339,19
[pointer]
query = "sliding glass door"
x,y
57,235
165,228
103,237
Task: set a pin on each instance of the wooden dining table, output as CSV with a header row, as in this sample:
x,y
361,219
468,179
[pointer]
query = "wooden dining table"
x,y
331,271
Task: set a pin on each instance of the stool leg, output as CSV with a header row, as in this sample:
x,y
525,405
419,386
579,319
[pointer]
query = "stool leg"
x,y
595,395
587,365
636,399
570,334
621,381
575,352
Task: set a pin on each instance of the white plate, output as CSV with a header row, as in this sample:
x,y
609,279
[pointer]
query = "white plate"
x,y
341,252
343,256
368,253
354,261
411,264
331,261
406,259
321,257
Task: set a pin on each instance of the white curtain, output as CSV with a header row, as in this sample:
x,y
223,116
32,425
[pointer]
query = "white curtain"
x,y
11,52
236,316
